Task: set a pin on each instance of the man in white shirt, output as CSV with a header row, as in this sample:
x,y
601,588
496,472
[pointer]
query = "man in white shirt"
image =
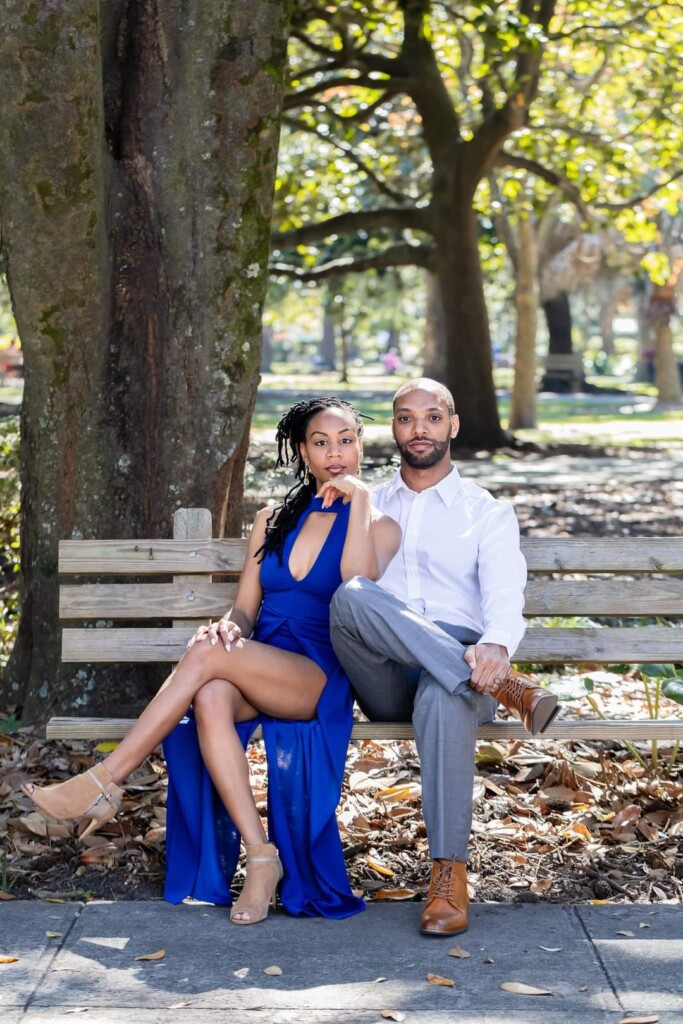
x,y
432,641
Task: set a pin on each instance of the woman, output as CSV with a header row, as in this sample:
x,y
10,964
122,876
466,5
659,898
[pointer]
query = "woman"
x,y
268,658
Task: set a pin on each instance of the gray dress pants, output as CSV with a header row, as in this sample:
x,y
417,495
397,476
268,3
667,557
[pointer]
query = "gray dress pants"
x,y
404,667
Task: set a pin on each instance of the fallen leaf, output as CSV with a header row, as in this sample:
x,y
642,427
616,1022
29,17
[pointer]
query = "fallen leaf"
x,y
643,925
436,979
652,1019
53,935
489,960
106,746
160,953
392,1014
457,951
241,973
377,866
6,895
274,969
629,935
520,989
541,885
8,959
628,814
551,949
378,980
393,894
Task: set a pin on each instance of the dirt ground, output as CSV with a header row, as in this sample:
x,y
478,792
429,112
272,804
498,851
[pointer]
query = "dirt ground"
x,y
553,821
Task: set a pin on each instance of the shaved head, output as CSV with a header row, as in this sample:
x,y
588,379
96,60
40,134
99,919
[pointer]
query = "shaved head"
x,y
427,384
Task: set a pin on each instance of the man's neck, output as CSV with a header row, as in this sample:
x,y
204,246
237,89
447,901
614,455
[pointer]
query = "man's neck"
x,y
418,480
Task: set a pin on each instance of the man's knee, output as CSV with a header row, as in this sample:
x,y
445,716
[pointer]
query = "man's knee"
x,y
345,600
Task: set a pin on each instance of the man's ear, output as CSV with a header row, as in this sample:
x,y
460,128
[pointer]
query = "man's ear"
x,y
455,426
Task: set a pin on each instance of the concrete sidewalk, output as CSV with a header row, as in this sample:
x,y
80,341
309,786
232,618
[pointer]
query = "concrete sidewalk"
x,y
600,964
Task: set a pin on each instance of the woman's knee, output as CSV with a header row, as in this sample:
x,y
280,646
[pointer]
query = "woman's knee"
x,y
214,700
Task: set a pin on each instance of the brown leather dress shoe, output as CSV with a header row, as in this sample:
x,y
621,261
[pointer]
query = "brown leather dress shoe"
x,y
445,912
528,701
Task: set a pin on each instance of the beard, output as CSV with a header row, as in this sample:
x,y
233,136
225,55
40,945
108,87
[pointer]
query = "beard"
x,y
424,460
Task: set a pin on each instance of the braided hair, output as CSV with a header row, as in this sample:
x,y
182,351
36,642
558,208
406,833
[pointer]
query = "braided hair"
x,y
290,434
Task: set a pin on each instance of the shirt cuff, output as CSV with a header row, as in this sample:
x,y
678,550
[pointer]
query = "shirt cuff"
x,y
500,637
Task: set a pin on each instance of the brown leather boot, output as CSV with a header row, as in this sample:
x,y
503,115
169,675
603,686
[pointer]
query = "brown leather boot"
x,y
528,701
445,912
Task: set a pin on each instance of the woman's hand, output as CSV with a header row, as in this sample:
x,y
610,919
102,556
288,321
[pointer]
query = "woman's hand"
x,y
341,487
225,629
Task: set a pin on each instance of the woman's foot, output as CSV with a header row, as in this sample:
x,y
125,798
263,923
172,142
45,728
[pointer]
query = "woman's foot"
x,y
94,795
264,872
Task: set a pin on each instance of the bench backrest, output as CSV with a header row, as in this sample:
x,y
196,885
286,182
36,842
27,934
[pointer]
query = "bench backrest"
x,y
193,577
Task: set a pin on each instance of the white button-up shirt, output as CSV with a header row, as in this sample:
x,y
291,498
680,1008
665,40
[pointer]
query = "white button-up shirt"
x,y
460,560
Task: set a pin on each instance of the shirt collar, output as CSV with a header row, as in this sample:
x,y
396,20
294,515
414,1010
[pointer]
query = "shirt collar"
x,y
448,489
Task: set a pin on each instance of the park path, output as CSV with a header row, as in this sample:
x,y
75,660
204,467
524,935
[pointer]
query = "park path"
x,y
598,964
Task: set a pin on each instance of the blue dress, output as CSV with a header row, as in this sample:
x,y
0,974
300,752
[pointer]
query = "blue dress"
x,y
305,759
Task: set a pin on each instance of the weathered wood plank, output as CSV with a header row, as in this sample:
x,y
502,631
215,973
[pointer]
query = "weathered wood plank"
x,y
201,599
556,645
543,554
604,596
198,598
603,554
144,557
592,729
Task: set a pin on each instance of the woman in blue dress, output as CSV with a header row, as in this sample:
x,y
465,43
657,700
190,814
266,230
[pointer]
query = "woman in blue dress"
x,y
269,659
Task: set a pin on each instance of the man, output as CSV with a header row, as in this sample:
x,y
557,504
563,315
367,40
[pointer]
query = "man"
x,y
432,641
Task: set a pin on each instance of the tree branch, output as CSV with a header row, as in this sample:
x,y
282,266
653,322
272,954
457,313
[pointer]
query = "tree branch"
x,y
350,153
505,159
627,204
301,96
390,218
404,255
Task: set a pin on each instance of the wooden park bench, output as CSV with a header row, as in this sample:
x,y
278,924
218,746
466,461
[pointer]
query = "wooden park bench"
x,y
615,577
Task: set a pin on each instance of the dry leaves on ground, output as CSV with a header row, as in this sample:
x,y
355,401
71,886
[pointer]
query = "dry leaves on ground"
x,y
553,821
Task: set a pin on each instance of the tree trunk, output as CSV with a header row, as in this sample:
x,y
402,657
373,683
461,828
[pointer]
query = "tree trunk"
x,y
667,374
137,161
469,364
523,402
435,338
266,348
563,372
328,343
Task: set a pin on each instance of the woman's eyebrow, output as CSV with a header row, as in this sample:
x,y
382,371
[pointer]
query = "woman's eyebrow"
x,y
323,433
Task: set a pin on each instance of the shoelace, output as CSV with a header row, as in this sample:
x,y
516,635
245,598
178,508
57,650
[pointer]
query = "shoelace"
x,y
442,883
514,688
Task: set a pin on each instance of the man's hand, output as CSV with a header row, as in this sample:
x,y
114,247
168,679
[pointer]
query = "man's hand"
x,y
488,662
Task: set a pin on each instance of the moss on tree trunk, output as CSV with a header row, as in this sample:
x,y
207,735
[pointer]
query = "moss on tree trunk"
x,y
137,161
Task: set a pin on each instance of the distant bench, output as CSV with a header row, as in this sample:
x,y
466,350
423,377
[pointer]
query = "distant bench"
x,y
179,587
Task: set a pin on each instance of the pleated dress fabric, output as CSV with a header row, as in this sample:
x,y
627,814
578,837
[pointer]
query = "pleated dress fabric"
x,y
305,759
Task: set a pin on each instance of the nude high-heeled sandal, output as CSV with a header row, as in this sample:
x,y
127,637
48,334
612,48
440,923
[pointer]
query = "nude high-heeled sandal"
x,y
264,871
94,795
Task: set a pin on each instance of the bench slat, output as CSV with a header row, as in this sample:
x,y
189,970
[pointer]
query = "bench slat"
x,y
603,554
143,557
556,645
592,729
543,554
604,596
198,598
201,599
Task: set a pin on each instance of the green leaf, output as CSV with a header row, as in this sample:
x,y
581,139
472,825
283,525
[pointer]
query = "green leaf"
x,y
673,689
654,671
